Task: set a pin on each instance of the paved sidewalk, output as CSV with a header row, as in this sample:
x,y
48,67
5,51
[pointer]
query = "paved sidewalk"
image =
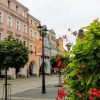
x,y
30,88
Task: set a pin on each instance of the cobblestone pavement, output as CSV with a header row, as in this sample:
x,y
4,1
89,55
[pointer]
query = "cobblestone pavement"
x,y
30,88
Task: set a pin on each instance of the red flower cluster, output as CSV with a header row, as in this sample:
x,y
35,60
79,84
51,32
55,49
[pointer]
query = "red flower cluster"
x,y
93,92
64,83
59,63
82,66
58,59
61,94
56,69
79,94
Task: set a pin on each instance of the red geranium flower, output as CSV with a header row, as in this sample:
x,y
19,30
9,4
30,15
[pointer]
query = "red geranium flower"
x,y
59,64
61,93
56,69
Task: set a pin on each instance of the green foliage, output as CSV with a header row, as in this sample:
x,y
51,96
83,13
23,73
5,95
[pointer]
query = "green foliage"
x,y
84,68
64,60
12,53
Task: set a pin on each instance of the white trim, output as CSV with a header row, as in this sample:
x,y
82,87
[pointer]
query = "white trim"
x,y
31,34
17,9
32,46
36,35
8,20
1,17
30,21
10,4
24,14
25,30
0,36
18,25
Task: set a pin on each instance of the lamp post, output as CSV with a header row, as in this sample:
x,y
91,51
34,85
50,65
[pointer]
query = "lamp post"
x,y
43,31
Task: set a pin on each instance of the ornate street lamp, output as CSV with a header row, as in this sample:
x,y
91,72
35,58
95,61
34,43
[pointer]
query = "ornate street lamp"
x,y
68,45
43,31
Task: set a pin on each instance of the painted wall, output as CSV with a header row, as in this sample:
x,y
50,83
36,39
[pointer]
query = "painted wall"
x,y
61,50
6,30
33,36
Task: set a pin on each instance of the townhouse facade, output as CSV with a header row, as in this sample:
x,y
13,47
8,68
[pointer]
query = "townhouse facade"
x,y
59,43
33,64
53,46
13,21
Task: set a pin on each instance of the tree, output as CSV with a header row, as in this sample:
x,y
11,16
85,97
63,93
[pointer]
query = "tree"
x,y
13,54
83,78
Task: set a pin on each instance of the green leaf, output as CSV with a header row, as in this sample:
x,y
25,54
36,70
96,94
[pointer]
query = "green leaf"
x,y
73,73
88,78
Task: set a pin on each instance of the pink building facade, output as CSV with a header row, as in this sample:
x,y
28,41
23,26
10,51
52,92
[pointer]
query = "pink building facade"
x,y
14,21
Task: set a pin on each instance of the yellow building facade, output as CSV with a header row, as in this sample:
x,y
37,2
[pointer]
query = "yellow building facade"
x,y
59,43
34,35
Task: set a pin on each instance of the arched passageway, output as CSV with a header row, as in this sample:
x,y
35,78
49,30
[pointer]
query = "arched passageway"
x,y
32,68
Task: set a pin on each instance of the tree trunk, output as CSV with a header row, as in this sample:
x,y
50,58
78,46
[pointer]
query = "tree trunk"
x,y
6,84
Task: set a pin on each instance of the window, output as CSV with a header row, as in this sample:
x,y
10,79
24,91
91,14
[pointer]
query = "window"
x,y
31,32
25,28
31,47
24,14
36,24
9,3
31,21
1,17
10,21
36,35
17,9
18,25
25,43
0,37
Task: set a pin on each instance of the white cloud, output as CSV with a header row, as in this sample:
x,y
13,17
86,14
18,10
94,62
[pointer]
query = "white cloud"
x,y
62,14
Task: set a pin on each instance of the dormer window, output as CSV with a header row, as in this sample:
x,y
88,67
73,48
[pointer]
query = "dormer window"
x,y
9,3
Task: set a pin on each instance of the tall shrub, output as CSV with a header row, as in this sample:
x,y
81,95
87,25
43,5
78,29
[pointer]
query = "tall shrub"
x,y
83,76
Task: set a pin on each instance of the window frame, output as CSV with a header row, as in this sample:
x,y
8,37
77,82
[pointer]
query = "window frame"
x,y
31,49
18,25
17,9
8,22
9,2
1,17
25,42
36,35
25,31
31,34
0,36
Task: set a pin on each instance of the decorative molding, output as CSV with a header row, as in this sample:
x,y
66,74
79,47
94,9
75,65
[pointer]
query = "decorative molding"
x,y
9,32
26,38
1,29
17,35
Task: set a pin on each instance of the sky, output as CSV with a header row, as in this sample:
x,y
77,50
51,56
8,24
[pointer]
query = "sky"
x,y
60,15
